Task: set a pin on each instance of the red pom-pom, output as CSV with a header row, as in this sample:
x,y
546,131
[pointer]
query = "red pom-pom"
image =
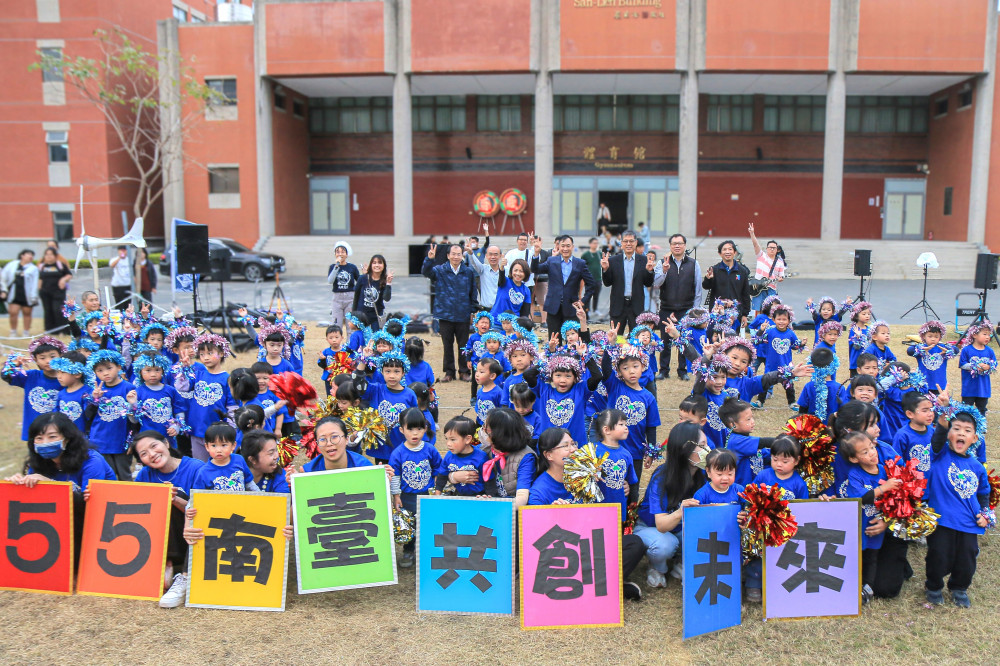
x,y
994,489
293,389
769,520
340,364
818,451
902,502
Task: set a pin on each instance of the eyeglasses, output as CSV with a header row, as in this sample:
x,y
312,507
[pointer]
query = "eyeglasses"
x,y
563,445
329,440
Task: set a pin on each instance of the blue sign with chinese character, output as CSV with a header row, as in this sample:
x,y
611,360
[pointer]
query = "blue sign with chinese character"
x,y
465,555
712,564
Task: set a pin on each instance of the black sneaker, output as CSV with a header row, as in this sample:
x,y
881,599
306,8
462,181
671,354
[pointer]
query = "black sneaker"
x,y
682,376
406,561
663,375
961,598
866,594
631,591
936,597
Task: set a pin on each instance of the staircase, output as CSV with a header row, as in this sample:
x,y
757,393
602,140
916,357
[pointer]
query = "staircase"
x,y
808,257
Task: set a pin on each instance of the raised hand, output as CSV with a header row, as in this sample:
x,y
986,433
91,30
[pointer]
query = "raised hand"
x,y
709,273
536,242
650,263
605,264
98,391
388,277
242,312
431,253
486,229
132,397
750,228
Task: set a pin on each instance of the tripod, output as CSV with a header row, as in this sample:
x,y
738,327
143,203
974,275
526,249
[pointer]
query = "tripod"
x,y
279,295
922,303
982,316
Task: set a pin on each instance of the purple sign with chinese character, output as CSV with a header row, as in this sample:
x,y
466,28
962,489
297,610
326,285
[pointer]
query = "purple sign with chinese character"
x,y
817,572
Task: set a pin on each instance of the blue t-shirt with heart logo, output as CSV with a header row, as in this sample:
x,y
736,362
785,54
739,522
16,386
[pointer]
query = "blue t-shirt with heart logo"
x,y
209,396
779,348
616,471
640,409
109,429
235,476
563,410
40,395
390,405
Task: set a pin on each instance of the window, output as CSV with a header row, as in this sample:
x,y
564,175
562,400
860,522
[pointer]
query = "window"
x,y
947,200
197,19
940,107
280,100
298,108
794,113
180,14
58,147
223,180
616,113
51,74
62,224
350,115
224,87
498,113
730,113
439,113
965,98
871,114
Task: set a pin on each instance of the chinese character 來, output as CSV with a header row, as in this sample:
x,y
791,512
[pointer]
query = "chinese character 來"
x,y
449,541
343,528
240,549
810,565
566,563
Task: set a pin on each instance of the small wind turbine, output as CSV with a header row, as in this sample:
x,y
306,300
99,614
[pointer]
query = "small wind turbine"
x,y
87,244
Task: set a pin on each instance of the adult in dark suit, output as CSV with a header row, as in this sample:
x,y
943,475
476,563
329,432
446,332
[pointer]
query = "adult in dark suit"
x,y
628,274
566,276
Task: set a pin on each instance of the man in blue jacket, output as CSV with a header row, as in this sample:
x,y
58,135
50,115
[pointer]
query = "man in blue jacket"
x,y
566,275
454,299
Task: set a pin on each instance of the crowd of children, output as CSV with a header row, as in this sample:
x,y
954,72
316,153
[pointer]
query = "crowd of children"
x,y
150,400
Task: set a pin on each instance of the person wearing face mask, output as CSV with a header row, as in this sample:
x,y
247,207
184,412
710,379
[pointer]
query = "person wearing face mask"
x,y
58,451
671,488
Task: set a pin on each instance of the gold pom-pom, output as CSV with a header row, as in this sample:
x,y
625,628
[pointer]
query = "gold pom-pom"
x,y
365,428
582,472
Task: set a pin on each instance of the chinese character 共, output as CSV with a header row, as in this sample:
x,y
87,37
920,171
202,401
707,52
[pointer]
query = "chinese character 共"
x,y
449,541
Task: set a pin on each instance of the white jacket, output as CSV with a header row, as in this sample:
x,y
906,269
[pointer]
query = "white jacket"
x,y
30,281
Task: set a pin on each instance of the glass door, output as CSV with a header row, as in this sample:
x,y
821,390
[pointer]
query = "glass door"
x,y
573,210
329,206
903,215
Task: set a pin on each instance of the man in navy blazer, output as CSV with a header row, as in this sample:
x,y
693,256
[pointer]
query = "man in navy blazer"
x,y
566,273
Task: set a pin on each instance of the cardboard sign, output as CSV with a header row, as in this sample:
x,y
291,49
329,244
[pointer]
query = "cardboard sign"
x,y
343,529
817,573
124,545
571,566
242,562
36,537
712,569
465,555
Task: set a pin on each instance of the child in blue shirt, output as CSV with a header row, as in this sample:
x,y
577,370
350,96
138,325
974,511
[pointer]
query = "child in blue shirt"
x,y
932,356
41,386
758,327
865,479
488,395
225,470
157,406
958,489
208,384
618,474
895,381
781,342
750,452
827,311
420,370
978,362
109,410
737,358
334,344
522,354
357,327
462,468
879,345
823,396
474,347
522,401
389,397
423,404
913,440
563,394
415,464
720,468
275,412
77,381
860,335
829,333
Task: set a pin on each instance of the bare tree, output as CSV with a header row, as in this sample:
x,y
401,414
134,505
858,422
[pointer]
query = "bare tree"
x,y
124,84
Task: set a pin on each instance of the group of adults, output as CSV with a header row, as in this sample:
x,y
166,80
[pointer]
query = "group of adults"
x,y
26,283
469,277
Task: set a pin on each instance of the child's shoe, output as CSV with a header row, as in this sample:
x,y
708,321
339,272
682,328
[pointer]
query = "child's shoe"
x,y
866,594
936,597
961,598
174,597
406,561
655,579
754,595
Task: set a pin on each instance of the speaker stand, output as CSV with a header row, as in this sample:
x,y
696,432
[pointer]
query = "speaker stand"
x,y
922,303
861,293
984,316
278,295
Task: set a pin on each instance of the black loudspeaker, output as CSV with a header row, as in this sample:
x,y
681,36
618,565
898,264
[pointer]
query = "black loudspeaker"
x,y
862,263
192,249
221,271
986,271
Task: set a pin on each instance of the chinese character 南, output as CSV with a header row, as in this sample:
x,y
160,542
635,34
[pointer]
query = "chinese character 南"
x,y
240,549
589,152
564,555
449,541
809,565
639,152
613,152
343,527
710,571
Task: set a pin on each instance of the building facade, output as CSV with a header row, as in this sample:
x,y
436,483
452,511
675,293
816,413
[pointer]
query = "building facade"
x,y
837,119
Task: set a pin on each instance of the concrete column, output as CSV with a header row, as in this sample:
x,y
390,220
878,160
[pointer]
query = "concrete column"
x,y
983,134
402,127
546,30
690,59
833,155
264,105
171,133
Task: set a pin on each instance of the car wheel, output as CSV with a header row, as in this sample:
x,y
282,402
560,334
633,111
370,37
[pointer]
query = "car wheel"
x,y
253,272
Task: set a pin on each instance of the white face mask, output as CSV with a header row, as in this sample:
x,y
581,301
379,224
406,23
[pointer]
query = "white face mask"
x,y
702,452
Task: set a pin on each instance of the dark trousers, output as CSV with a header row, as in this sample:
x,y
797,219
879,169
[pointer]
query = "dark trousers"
x,y
554,322
978,403
626,320
950,552
52,308
633,490
789,395
869,566
119,294
121,465
893,568
409,501
177,547
667,347
597,294
452,333
633,550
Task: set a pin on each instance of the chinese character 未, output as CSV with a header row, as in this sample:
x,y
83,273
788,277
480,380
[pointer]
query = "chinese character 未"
x,y
343,527
710,571
562,556
812,536
241,548
449,541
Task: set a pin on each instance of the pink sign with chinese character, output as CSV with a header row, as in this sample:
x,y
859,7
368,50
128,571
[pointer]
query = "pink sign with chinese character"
x,y
571,566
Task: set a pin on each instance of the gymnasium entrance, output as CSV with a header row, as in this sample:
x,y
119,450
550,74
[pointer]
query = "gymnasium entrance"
x,y
653,200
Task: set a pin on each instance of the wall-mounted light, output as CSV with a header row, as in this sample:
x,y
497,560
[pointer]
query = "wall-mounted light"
x,y
354,202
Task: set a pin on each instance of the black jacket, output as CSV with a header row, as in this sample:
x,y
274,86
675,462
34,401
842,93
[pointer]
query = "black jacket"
x,y
733,284
614,277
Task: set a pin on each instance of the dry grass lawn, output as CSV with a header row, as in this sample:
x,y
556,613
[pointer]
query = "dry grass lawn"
x,y
380,625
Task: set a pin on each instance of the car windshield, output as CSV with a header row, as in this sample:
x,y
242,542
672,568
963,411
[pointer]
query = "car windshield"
x,y
233,245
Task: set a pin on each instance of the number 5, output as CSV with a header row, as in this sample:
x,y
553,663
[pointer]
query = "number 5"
x,y
110,532
17,530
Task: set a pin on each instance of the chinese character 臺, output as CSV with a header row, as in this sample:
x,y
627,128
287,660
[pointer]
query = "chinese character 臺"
x,y
343,528
450,541
812,536
559,564
241,547
710,571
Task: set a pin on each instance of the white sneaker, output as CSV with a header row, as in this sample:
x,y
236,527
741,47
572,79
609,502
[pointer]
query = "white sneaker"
x,y
677,571
655,579
174,597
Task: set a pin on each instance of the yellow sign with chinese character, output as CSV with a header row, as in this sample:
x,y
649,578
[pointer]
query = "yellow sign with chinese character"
x,y
242,561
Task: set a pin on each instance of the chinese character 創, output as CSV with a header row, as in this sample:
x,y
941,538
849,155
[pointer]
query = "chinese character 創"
x,y
562,555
